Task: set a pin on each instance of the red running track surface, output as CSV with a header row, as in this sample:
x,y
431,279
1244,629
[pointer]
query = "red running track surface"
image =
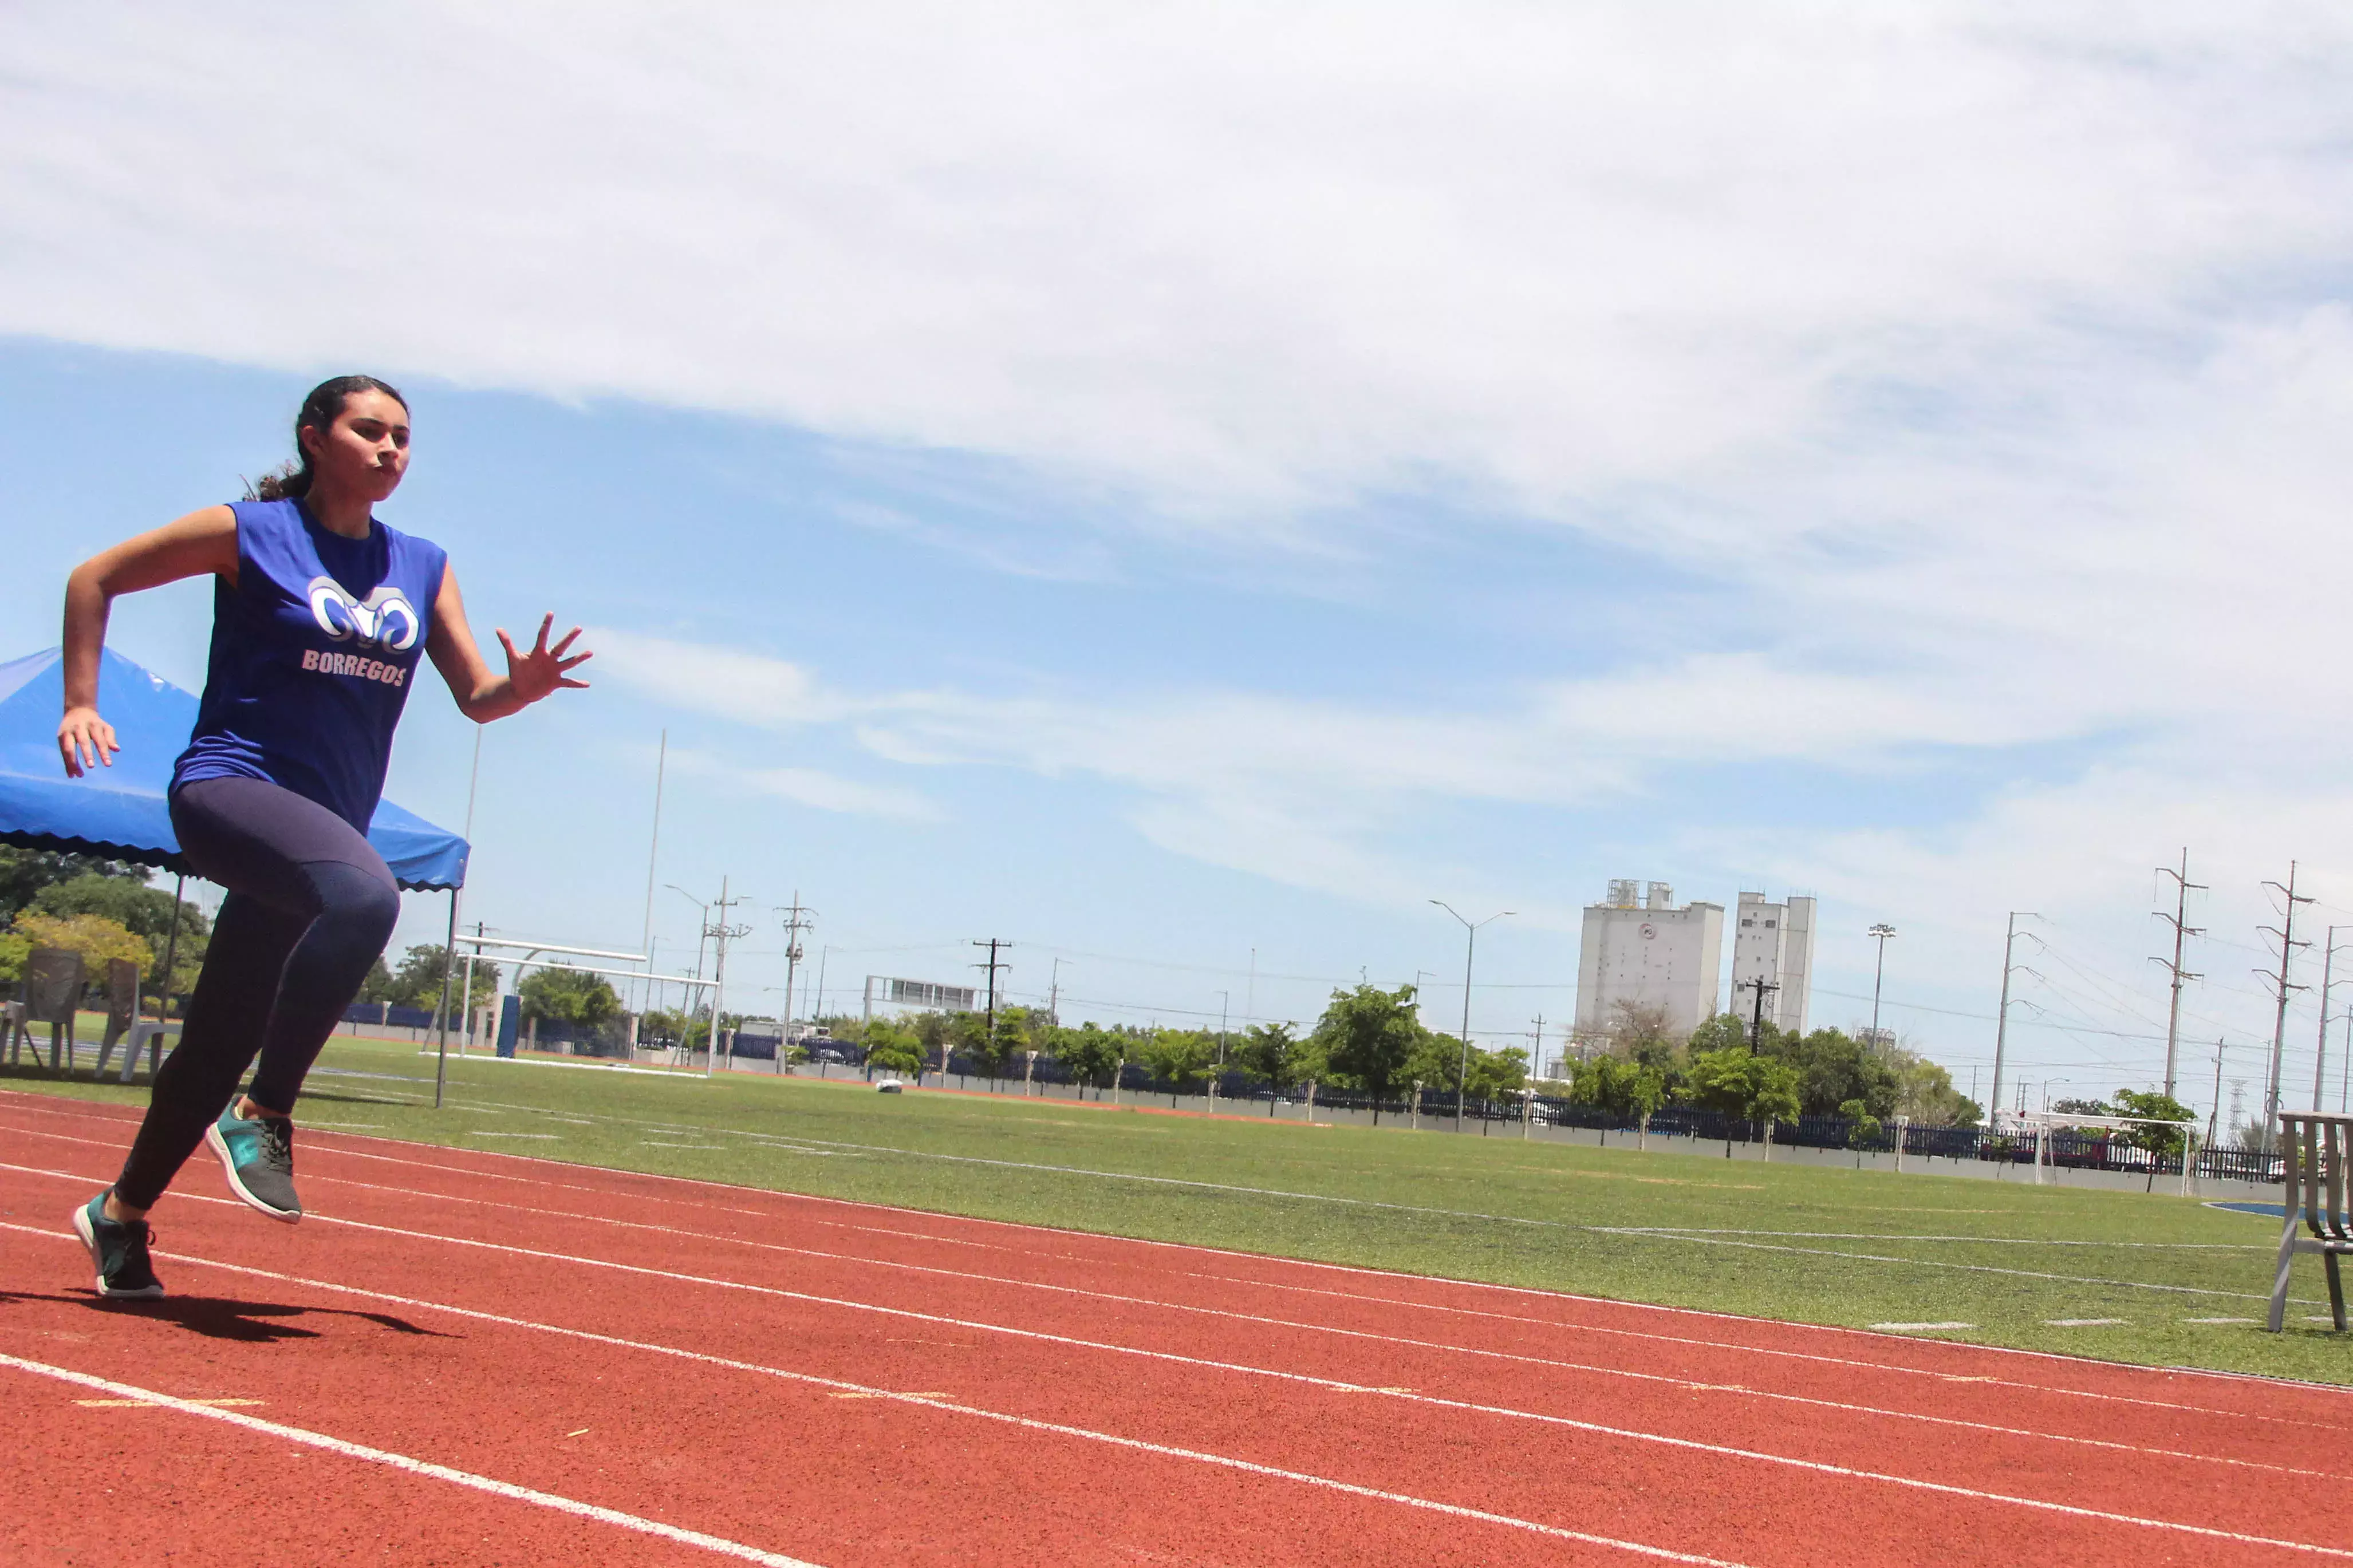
x,y
463,1356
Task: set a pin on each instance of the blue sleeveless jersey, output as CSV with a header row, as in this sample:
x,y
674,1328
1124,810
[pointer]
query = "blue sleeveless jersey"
x,y
314,653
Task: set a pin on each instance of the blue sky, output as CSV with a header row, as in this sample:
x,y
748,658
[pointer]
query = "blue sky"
x,y
1165,487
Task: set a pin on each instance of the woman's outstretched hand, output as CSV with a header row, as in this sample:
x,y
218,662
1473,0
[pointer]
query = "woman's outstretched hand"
x,y
532,676
86,741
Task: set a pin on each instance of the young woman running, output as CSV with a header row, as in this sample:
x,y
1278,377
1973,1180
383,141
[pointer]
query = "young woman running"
x,y
319,615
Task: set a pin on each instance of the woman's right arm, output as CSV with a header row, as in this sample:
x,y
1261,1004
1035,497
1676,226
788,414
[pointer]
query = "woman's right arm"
x,y
200,543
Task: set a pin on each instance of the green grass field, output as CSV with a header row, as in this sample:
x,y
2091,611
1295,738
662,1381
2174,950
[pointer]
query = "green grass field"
x,y
1804,1243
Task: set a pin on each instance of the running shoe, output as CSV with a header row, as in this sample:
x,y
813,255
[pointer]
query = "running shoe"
x,y
119,1251
259,1156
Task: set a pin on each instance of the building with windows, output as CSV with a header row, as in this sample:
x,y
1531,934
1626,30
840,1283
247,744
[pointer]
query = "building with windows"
x,y
1774,943
1644,951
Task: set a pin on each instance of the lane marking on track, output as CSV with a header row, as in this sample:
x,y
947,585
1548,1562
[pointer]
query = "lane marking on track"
x,y
425,1468
1140,1242
1570,1366
1919,1328
1351,1270
1392,1339
150,1405
1033,1424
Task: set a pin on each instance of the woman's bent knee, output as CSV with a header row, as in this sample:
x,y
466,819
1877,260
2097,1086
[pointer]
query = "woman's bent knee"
x,y
357,905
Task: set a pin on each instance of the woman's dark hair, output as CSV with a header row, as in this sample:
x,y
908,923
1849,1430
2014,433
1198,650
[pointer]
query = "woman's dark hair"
x,y
320,411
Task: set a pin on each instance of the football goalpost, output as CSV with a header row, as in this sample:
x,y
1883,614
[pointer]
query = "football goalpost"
x,y
2044,1122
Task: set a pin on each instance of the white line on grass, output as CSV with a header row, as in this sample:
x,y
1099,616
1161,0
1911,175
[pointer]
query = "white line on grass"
x,y
425,1468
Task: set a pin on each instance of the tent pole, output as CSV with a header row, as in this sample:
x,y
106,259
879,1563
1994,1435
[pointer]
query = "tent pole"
x,y
171,955
449,970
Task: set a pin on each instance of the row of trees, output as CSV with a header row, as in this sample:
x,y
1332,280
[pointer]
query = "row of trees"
x,y
1368,1040
101,909
418,981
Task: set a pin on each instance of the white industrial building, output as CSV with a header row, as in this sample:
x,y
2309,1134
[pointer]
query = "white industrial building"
x,y
1649,953
1775,943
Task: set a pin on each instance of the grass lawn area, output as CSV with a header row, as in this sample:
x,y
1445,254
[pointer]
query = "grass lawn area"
x,y
1804,1243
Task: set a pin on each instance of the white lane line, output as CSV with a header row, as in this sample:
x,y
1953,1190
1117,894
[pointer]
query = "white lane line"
x,y
1841,1362
542,1136
2086,1322
2219,1320
1231,1315
1984,1240
1919,1328
844,1389
1690,1444
1478,1285
425,1468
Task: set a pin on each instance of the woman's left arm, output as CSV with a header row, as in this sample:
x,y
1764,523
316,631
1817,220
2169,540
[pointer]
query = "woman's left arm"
x,y
483,696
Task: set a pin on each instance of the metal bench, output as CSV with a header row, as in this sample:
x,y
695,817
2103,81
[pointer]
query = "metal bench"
x,y
2316,1149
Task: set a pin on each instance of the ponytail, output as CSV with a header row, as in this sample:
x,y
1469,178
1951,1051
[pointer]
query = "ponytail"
x,y
292,481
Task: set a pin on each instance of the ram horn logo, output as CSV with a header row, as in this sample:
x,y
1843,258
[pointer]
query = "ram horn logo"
x,y
384,619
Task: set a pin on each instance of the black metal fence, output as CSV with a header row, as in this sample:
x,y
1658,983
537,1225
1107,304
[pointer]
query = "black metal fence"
x,y
2089,1149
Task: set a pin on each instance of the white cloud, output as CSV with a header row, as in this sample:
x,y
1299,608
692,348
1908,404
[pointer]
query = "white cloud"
x,y
811,787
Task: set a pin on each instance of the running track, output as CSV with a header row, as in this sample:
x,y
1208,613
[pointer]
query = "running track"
x,y
473,1357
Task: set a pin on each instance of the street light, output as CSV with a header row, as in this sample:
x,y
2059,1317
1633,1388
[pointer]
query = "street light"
x,y
1470,946
1879,933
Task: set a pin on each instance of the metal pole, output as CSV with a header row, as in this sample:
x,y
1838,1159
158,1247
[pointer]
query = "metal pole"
x,y
2002,1026
1469,949
1881,931
718,979
653,851
2181,930
171,953
2279,1024
448,972
2320,1050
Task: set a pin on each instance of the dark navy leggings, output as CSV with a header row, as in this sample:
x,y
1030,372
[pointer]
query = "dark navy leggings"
x,y
309,910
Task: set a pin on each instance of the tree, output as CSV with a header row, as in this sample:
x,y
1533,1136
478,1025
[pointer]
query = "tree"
x,y
1178,1057
1367,1035
573,996
1737,1082
1618,1089
96,938
417,983
379,988
1090,1053
1862,1127
1497,1075
124,898
1277,1058
1638,1032
1833,1068
2162,1143
25,872
893,1049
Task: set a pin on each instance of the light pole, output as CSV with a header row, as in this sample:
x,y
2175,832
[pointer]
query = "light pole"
x,y
1879,933
1469,947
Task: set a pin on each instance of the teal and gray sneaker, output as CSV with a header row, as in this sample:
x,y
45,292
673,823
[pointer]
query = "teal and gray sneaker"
x,y
259,1156
119,1251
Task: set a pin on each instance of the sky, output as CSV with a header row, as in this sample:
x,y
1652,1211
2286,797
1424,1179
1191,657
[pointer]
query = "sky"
x,y
1179,489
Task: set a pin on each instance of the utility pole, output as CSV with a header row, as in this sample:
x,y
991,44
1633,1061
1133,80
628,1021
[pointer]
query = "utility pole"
x,y
1879,933
1538,1062
2215,1114
796,920
2320,1048
993,944
1054,995
720,933
653,854
2001,1019
1469,947
2288,944
2182,888
1757,1024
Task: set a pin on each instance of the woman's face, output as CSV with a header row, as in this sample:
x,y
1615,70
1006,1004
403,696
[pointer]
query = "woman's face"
x,y
365,451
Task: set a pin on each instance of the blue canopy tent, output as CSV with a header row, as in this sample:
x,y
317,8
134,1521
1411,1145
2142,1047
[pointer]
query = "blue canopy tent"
x,y
120,812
